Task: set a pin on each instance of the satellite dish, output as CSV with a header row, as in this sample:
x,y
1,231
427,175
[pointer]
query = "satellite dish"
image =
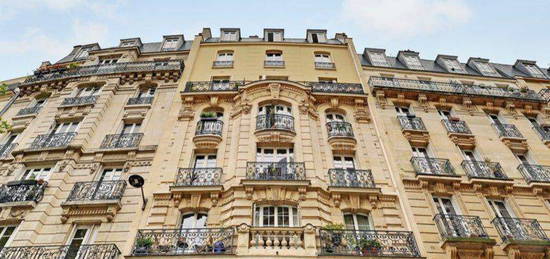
x,y
136,180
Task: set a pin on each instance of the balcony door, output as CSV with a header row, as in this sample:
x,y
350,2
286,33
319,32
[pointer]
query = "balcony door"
x,y
424,160
10,139
65,127
403,111
111,174
542,130
357,222
448,210
6,235
37,174
129,128
87,91
81,235
148,92
445,114
497,121
205,161
344,162
274,163
276,216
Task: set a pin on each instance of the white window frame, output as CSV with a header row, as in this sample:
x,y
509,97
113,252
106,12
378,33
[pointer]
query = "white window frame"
x,y
66,127
88,237
195,222
323,58
424,152
88,91
475,153
438,202
225,56
205,160
276,156
378,59
111,174
108,61
403,110
38,173
534,70
170,44
444,116
8,137
486,69
453,64
356,222
496,211
11,236
229,36
413,62
334,116
343,162
278,109
128,128
293,215
146,92
274,56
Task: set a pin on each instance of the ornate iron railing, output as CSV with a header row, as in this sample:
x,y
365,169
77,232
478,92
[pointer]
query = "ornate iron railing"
x,y
459,127
126,140
104,251
516,229
274,63
411,123
190,241
432,166
324,87
348,88
535,173
207,86
24,190
5,150
459,226
116,68
353,242
544,134
140,100
453,88
81,100
275,171
199,176
29,110
275,121
97,190
545,93
483,170
52,140
339,129
209,127
222,64
325,65
277,237
507,131
351,178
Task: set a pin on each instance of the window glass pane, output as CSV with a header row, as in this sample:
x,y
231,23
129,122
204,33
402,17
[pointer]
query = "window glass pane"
x,y
268,216
201,221
188,221
283,216
348,220
363,222
295,219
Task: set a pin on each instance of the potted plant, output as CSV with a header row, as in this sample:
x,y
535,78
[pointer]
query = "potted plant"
x,y
143,244
208,116
369,247
335,236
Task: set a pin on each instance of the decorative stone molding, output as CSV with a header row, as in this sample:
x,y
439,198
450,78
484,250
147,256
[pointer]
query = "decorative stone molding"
x,y
207,141
15,214
417,137
342,143
275,136
186,111
469,248
361,113
103,211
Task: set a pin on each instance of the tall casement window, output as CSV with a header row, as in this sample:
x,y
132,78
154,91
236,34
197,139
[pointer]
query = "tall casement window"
x,y
129,128
81,235
6,234
343,162
403,111
41,173
88,91
146,92
445,206
224,59
274,55
111,174
205,160
193,220
322,57
65,127
276,216
355,221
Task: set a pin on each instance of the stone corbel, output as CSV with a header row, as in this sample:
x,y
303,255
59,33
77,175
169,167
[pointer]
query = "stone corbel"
x,y
511,107
337,199
214,197
334,102
361,112
467,102
381,99
302,191
423,101
249,191
275,89
186,112
214,101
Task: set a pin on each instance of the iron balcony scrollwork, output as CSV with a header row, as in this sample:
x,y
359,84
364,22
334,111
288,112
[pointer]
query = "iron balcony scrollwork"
x,y
208,86
517,229
275,121
222,63
484,170
544,133
81,100
209,127
535,173
54,140
351,177
432,166
29,110
126,140
275,171
104,251
411,123
185,241
325,65
199,176
140,100
274,63
348,242
507,131
334,87
456,126
24,190
545,94
98,190
452,226
5,150
339,129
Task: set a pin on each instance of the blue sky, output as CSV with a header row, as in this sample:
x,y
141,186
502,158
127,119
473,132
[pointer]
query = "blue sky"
x,y
501,30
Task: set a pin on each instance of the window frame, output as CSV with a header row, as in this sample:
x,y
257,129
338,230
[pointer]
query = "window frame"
x,y
293,215
196,218
356,222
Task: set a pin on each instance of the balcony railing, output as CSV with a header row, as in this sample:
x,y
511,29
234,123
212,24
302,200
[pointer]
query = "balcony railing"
x,y
275,171
432,166
277,237
5,150
106,251
351,178
544,134
116,68
545,93
193,241
275,121
535,173
81,100
208,86
516,229
199,176
453,88
29,110
25,190
274,63
52,140
325,65
97,190
140,100
209,127
411,123
325,87
507,131
222,64
339,129
126,140
483,170
349,242
459,226
458,127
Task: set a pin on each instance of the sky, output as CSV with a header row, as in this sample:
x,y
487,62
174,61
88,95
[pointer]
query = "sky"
x,y
33,31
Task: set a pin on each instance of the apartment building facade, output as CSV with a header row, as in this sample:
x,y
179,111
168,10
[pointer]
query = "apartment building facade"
x,y
274,146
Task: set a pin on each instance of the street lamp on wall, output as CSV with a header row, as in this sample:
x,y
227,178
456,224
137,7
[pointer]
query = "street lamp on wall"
x,y
137,181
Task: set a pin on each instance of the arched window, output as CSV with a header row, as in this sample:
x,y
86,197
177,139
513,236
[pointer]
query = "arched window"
x,y
357,221
276,216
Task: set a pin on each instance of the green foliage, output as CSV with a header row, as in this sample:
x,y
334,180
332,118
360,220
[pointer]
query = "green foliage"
x,y
333,227
4,125
208,115
3,89
73,65
369,243
144,242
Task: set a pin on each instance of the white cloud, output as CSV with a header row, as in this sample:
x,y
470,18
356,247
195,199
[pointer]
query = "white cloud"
x,y
405,18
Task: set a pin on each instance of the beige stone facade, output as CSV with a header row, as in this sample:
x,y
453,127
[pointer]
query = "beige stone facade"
x,y
259,146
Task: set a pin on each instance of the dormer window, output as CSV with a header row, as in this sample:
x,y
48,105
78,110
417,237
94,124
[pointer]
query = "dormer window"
x,y
453,66
534,70
317,36
83,52
273,35
229,35
127,44
170,44
413,62
378,59
486,69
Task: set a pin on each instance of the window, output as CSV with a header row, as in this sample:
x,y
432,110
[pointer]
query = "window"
x,y
107,61
83,52
275,109
87,91
193,220
170,44
39,103
6,234
10,138
413,62
274,36
220,83
274,56
335,117
205,161
148,92
226,56
534,70
420,152
130,128
496,120
378,59
37,174
445,206
453,66
111,174
65,127
276,216
327,80
322,58
486,69
229,35
127,44
82,235
524,158
343,162
542,130
274,154
445,114
470,155
403,111
501,209
357,221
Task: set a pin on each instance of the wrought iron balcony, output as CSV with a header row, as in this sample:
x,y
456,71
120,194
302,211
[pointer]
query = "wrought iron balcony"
x,y
535,173
456,126
516,229
53,140
275,121
545,93
483,170
350,242
77,101
29,110
222,64
104,251
140,100
24,190
98,191
325,87
191,241
452,227
453,88
351,178
411,123
209,127
126,140
507,131
432,166
274,63
5,150
199,176
543,133
339,129
117,68
325,65
275,171
208,86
